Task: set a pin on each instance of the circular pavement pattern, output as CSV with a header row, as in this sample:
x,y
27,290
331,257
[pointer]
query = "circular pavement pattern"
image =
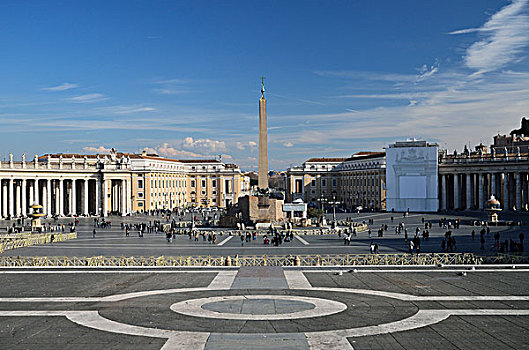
x,y
258,307
203,311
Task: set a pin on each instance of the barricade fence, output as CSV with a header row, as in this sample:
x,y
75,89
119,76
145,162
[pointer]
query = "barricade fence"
x,y
21,241
299,232
436,259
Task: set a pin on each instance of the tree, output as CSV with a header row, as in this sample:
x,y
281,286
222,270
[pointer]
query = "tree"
x,y
314,213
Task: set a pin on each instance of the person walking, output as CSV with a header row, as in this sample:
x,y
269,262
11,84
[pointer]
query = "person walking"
x,y
94,233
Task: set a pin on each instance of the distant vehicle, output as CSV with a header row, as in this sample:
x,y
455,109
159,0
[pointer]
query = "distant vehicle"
x,y
359,208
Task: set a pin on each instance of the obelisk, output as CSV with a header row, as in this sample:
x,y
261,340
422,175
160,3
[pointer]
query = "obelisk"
x,y
262,182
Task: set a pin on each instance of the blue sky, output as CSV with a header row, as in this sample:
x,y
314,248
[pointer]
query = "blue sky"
x,y
181,78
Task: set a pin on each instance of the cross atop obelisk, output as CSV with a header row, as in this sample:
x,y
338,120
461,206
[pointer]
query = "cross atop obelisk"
x,y
262,182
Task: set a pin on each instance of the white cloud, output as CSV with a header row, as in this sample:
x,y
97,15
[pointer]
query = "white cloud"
x,y
88,98
100,149
502,38
288,144
61,87
245,145
375,76
426,72
191,148
128,109
169,91
168,151
206,146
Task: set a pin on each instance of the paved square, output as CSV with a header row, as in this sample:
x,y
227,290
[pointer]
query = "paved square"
x,y
265,308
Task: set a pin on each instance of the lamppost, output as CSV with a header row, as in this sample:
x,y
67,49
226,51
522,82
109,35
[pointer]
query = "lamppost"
x,y
334,202
322,200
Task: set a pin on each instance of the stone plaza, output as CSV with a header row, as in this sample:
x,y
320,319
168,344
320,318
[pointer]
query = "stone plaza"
x,y
264,307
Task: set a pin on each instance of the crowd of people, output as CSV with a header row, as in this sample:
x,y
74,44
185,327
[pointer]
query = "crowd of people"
x,y
168,223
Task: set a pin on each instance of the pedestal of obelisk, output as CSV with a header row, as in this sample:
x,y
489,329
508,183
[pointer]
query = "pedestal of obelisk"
x,y
262,182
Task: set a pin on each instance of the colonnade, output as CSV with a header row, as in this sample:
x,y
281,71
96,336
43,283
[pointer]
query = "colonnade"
x,y
64,196
471,190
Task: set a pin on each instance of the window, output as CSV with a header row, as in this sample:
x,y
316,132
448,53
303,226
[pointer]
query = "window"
x,y
334,182
203,183
313,183
140,204
140,183
213,183
203,193
140,194
323,182
192,183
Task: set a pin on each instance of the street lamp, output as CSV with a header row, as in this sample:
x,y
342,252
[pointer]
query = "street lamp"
x,y
334,202
322,200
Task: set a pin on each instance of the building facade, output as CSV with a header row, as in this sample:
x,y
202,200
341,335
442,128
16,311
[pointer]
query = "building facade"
x,y
411,175
314,181
66,185
468,179
345,182
117,183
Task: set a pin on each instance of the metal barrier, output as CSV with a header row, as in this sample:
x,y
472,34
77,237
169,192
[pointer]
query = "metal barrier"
x,y
262,260
33,239
307,232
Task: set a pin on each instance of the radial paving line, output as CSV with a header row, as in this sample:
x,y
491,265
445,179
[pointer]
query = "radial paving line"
x,y
224,241
223,280
302,240
92,319
421,319
296,279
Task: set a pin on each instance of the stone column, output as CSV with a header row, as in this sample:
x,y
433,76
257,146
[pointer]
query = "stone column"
x,y
123,205
48,196
443,192
37,199
456,191
129,197
85,197
74,198
17,199
45,203
493,185
506,205
481,200
469,191
97,201
57,201
61,197
24,206
518,191
105,198
4,199
31,192
525,188
11,199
